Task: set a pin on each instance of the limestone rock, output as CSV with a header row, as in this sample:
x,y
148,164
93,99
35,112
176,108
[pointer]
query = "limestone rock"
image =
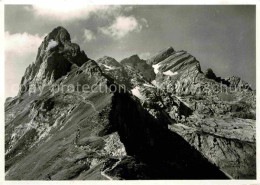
x,y
210,74
140,65
236,82
171,118
55,57
160,56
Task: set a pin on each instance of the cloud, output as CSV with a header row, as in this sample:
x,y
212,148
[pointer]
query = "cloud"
x,y
69,11
20,51
105,14
122,26
51,44
145,22
21,43
145,55
88,35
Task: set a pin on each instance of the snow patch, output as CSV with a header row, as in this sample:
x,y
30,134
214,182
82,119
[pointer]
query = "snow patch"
x,y
136,92
148,85
156,68
154,82
170,73
108,67
51,44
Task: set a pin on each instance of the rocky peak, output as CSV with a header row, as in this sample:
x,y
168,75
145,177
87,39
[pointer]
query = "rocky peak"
x,y
109,61
55,57
59,34
210,74
233,81
164,130
59,40
131,60
114,70
236,82
140,65
160,56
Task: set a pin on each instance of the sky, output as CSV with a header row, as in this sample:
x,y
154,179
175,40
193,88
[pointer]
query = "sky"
x,y
220,37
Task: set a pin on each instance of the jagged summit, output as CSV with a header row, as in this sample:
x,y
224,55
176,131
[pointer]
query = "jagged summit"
x,y
59,34
138,64
109,61
171,119
161,55
56,55
210,74
132,58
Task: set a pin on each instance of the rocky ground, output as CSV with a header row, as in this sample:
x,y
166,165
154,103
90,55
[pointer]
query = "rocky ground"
x,y
161,118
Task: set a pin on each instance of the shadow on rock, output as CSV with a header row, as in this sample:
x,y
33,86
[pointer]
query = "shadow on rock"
x,y
154,152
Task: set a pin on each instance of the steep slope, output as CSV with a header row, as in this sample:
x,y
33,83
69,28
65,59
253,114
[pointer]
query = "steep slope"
x,y
70,121
161,55
125,72
114,70
220,115
74,118
58,131
139,65
55,57
215,115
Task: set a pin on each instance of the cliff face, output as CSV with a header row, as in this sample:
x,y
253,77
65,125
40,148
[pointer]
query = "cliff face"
x,y
157,119
138,64
215,115
55,57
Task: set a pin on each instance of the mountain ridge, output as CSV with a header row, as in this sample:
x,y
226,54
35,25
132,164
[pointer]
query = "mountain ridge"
x,y
125,120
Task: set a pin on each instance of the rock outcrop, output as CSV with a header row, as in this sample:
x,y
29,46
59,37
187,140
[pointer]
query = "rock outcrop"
x,y
160,56
210,74
216,116
163,118
114,70
140,65
55,57
236,82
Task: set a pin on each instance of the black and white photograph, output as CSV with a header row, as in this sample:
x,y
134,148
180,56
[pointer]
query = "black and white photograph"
x,y
129,92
